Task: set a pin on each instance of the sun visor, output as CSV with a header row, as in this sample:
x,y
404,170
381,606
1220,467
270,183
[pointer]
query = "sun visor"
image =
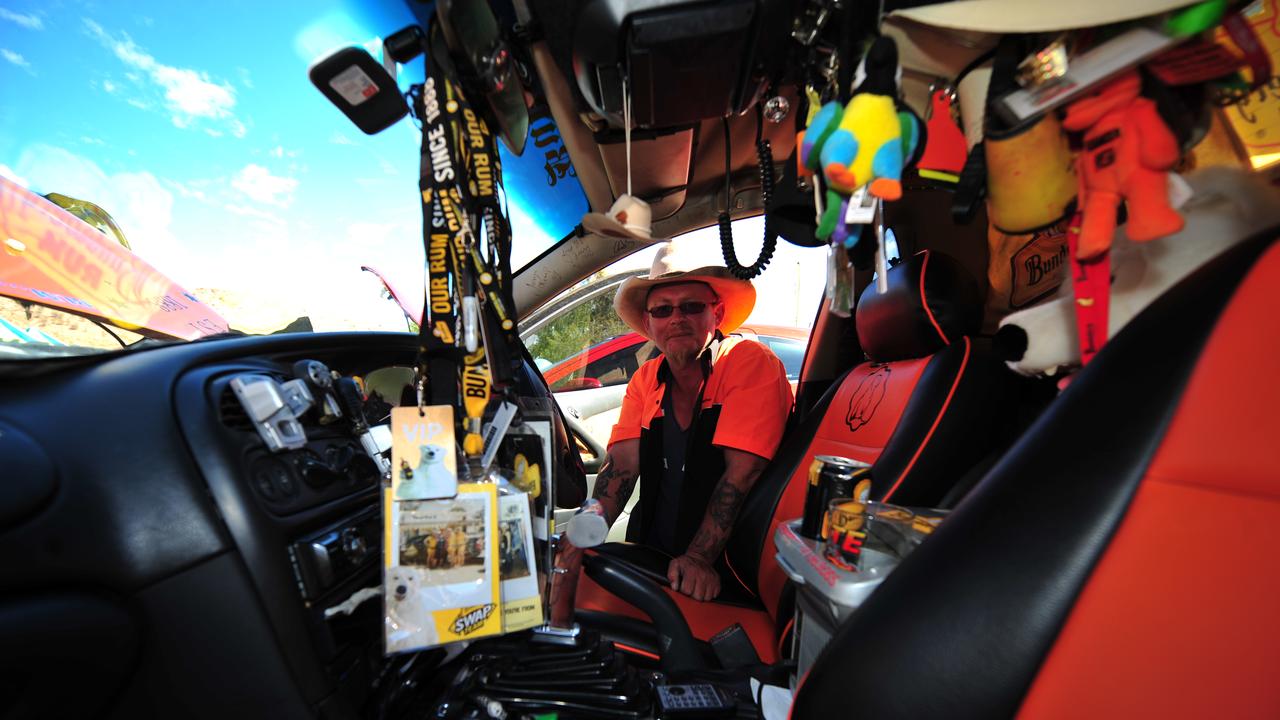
x,y
660,165
688,61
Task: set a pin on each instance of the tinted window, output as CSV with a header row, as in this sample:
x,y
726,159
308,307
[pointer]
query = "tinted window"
x,y
790,352
616,368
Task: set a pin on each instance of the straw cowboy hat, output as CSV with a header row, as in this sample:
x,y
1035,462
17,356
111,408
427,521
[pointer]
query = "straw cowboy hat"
x,y
670,265
1030,16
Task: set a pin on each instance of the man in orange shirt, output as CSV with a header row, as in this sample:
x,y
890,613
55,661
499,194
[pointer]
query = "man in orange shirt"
x,y
699,423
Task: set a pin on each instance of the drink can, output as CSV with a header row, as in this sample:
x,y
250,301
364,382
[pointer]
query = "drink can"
x,y
830,477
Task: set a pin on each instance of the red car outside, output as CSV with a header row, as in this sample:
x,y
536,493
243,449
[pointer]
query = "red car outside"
x,y
612,361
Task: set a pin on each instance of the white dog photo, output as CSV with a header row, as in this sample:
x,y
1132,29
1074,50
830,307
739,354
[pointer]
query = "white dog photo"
x,y
409,622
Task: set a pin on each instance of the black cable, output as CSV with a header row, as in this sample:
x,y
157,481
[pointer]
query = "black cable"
x,y
108,331
764,157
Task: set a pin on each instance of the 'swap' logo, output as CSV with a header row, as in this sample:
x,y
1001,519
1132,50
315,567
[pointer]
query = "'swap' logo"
x,y
468,621
865,400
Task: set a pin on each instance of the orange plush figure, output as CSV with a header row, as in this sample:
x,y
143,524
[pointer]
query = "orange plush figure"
x,y
1127,154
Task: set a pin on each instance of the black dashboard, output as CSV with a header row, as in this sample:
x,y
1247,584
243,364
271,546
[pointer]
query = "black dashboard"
x,y
159,559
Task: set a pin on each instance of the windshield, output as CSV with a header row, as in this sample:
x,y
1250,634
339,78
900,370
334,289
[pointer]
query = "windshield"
x,y
229,174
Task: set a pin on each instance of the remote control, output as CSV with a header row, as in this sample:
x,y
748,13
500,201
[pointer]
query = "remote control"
x,y
690,701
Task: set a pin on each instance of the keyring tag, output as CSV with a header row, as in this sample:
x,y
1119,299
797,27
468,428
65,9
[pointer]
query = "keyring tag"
x,y
424,465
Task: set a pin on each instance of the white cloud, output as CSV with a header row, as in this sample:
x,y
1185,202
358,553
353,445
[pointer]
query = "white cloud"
x,y
187,190
338,138
16,59
253,212
139,104
367,234
257,183
189,94
109,86
30,22
91,140
213,133
387,167
138,202
8,173
245,79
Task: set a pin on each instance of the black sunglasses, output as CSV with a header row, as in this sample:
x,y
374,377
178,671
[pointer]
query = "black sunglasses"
x,y
692,307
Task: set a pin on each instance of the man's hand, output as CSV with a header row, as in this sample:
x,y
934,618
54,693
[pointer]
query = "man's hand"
x,y
694,577
564,583
617,478
691,573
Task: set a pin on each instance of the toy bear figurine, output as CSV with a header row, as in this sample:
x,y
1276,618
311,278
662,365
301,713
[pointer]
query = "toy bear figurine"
x,y
1127,152
863,143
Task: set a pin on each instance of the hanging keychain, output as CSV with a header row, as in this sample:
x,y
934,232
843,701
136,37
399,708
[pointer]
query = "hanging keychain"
x,y
839,292
882,264
945,150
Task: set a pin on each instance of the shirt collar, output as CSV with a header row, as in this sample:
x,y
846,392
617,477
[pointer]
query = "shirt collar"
x,y
706,358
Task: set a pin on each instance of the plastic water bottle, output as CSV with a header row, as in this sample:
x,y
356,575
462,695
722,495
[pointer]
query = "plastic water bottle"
x,y
588,527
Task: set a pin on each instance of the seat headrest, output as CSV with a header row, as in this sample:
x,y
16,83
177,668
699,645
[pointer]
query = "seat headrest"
x,y
932,301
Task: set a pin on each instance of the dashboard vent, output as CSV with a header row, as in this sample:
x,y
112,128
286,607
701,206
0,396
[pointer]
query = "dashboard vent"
x,y
232,412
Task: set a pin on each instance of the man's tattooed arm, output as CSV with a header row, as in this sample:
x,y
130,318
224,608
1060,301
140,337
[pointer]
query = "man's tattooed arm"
x,y
742,469
617,478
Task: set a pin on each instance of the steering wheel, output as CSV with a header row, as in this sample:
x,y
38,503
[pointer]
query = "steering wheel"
x,y
595,448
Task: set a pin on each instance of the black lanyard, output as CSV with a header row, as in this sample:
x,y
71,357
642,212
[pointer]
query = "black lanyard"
x,y
460,181
437,334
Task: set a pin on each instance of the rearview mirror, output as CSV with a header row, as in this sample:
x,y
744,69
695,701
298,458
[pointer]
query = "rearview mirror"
x,y
361,88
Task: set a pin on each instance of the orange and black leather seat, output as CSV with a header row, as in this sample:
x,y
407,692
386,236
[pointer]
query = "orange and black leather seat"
x,y
922,410
1120,560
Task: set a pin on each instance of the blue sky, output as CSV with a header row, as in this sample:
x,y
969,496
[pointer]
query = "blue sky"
x,y
203,137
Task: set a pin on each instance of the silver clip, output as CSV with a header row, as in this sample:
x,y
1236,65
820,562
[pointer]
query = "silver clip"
x,y
882,264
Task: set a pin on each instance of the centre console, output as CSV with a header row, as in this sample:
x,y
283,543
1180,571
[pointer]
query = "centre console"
x,y
296,471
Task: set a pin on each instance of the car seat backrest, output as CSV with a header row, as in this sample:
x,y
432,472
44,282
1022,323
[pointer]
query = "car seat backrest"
x,y
917,410
1118,560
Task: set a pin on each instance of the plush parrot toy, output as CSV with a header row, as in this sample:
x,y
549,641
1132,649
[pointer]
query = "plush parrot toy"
x,y
867,142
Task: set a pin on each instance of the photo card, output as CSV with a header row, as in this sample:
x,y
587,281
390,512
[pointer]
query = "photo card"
x,y
442,571
526,452
521,601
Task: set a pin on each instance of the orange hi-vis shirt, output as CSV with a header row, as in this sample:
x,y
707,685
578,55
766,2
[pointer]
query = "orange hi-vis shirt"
x,y
748,383
746,399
